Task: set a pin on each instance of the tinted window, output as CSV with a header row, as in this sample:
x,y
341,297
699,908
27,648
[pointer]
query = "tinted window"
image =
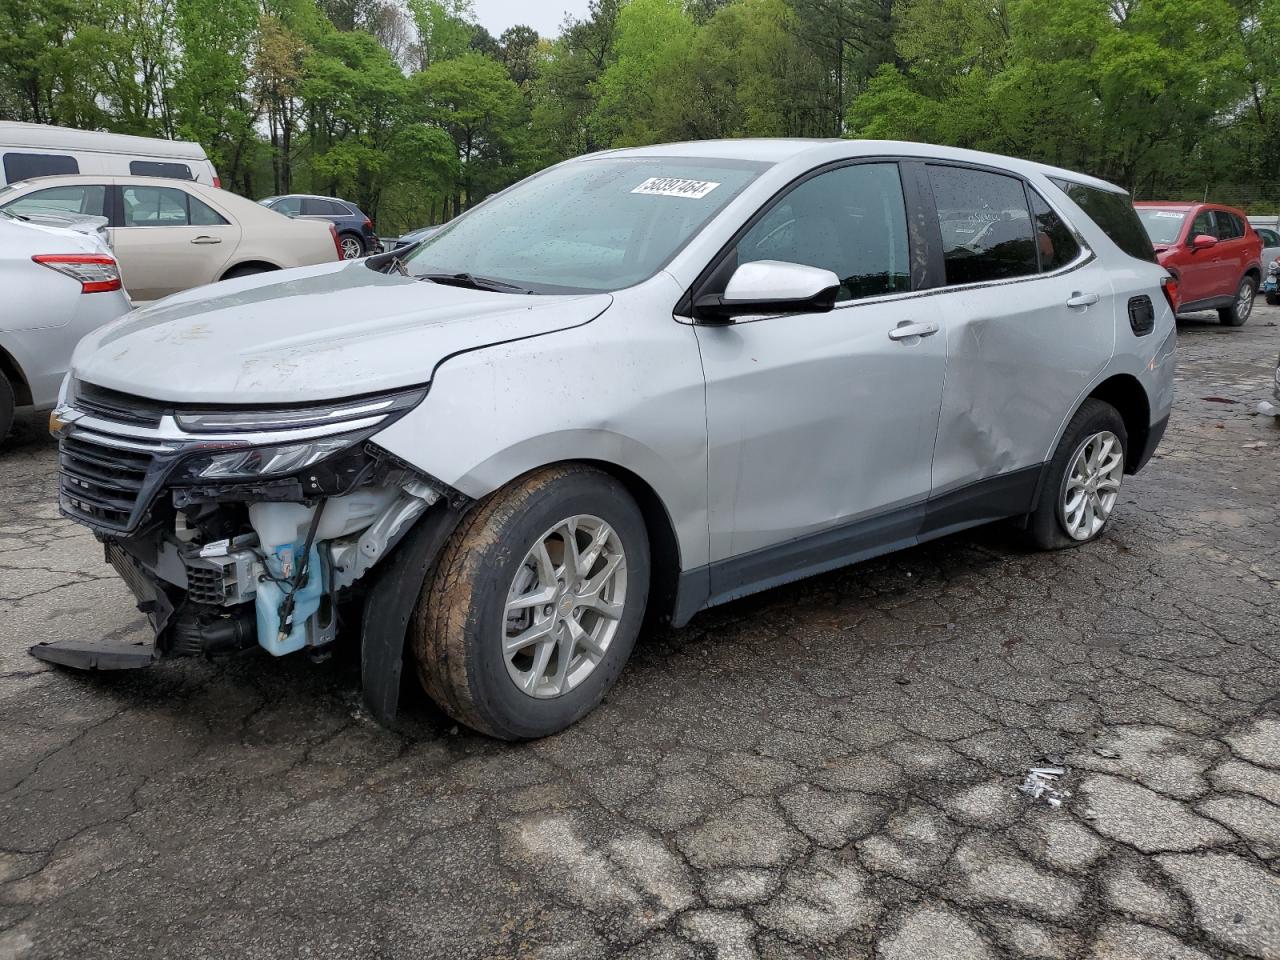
x,y
154,207
851,221
1229,225
597,224
1202,224
155,168
1054,240
61,200
1114,215
203,215
337,209
986,227
289,206
24,166
1269,237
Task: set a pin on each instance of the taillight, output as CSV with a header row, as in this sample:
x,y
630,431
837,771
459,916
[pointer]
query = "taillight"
x,y
1169,286
368,224
337,244
217,183
96,272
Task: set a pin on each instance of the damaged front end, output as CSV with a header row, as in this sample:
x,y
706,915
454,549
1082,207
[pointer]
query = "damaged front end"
x,y
234,526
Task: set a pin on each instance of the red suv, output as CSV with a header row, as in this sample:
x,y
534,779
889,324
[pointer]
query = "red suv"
x,y
1212,252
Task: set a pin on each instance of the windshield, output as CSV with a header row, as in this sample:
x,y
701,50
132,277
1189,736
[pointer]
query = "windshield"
x,y
1163,226
592,226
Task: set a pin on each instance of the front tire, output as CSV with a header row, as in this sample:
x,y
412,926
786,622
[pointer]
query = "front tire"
x,y
535,604
1081,485
7,406
1237,315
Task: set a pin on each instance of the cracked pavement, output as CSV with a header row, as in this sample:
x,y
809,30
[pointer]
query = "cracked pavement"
x,y
824,770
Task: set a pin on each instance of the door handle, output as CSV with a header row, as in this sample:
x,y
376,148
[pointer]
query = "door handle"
x,y
207,240
1078,299
908,329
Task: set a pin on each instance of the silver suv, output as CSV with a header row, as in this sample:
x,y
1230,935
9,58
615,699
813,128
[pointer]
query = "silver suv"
x,y
638,384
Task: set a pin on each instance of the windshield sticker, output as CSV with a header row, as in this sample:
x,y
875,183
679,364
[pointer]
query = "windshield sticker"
x,y
676,187
1169,214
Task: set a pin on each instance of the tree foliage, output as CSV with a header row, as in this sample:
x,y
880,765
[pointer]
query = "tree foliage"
x,y
413,110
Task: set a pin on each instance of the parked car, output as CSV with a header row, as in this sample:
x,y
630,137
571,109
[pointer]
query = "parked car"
x,y
413,236
1270,238
30,150
701,371
170,235
1212,251
1268,408
59,284
355,230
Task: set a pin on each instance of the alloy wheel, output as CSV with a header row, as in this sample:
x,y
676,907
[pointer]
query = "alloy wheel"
x,y
1244,301
563,606
351,249
1092,484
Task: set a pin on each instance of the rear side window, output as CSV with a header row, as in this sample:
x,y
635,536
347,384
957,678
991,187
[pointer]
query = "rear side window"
x,y
1054,240
315,207
78,199
203,215
24,166
1229,225
1114,215
986,227
156,168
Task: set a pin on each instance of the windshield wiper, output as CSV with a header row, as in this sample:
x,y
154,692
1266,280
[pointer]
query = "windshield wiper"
x,y
472,282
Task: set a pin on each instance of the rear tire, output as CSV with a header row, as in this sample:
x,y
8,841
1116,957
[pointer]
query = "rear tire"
x,y
352,246
7,406
1050,525
1237,315
478,604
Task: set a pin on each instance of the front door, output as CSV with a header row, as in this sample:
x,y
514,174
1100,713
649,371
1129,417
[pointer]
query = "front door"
x,y
821,425
1201,272
167,240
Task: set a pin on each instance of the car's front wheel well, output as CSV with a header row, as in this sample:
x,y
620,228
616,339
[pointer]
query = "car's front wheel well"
x,y
1126,394
10,370
664,548
247,268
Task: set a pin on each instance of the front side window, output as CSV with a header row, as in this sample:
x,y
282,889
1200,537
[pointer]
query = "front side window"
x,y
851,221
289,206
154,207
1202,225
589,226
24,166
1055,242
1162,226
986,227
78,199
1112,212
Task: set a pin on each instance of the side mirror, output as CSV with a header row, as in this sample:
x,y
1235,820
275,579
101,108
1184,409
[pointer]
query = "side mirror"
x,y
1203,242
772,286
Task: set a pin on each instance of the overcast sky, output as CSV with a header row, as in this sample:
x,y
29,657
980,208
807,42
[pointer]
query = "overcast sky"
x,y
545,16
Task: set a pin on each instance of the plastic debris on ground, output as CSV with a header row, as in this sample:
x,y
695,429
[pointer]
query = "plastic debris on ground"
x,y
1040,785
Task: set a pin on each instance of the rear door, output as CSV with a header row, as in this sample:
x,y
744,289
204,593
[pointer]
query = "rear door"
x,y
168,240
1030,321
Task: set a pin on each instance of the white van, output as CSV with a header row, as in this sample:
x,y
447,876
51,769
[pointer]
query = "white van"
x,y
39,150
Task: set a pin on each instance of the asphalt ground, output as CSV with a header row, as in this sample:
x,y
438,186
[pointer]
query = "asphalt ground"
x,y
828,769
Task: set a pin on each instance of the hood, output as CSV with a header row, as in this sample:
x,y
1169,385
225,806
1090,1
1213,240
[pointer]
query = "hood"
x,y
315,333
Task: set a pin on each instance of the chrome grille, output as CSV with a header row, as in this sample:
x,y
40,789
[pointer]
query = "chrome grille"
x,y
101,484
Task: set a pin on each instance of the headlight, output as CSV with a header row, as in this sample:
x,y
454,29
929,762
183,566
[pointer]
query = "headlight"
x,y
234,420
252,463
